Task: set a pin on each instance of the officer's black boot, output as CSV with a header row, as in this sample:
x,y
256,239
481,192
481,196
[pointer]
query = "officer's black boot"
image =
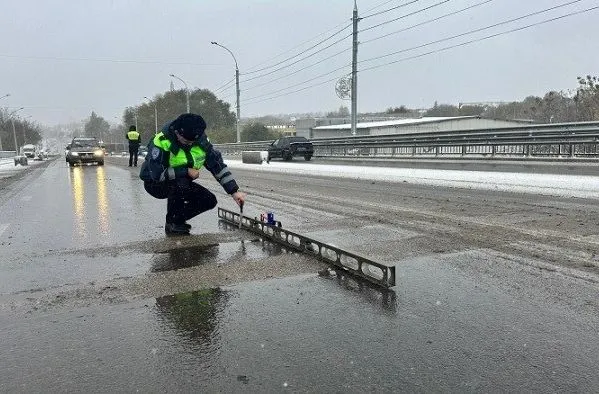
x,y
176,229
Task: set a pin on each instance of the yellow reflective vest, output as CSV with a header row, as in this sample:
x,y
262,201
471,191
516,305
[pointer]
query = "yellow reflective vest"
x,y
192,158
133,136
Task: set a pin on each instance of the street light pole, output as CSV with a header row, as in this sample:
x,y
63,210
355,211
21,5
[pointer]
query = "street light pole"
x,y
24,136
6,95
236,87
186,90
155,115
14,131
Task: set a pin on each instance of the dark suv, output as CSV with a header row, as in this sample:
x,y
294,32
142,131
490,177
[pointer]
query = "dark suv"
x,y
85,150
288,147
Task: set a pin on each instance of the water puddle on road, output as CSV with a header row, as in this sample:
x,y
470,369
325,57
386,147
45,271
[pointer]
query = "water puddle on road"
x,y
218,253
438,330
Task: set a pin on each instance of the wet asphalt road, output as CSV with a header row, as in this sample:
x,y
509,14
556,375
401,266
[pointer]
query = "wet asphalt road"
x,y
94,298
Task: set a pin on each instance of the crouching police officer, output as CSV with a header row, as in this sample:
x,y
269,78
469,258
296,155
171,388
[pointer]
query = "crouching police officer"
x,y
175,157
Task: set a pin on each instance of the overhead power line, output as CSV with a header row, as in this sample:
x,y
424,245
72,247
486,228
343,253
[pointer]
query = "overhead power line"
x,y
380,5
405,16
482,38
299,54
332,44
297,61
433,52
225,86
292,92
472,31
407,49
344,51
297,46
297,84
428,21
363,42
391,9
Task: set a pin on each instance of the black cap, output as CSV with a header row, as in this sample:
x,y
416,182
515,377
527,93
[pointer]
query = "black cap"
x,y
132,128
190,126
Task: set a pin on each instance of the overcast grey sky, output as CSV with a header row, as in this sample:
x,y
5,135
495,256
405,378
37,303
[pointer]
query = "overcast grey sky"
x,y
62,59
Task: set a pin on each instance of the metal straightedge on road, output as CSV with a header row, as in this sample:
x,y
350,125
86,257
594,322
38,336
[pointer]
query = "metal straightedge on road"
x,y
372,271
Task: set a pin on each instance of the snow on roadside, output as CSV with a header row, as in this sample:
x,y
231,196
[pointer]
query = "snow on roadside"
x,y
583,186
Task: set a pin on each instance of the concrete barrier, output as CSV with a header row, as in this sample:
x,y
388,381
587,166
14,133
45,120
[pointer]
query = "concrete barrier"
x,y
22,160
252,157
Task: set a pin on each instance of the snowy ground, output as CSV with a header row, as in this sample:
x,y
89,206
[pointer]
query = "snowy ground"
x,y
545,184
8,168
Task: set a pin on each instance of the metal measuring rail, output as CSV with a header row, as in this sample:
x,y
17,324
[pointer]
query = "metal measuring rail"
x,y
360,266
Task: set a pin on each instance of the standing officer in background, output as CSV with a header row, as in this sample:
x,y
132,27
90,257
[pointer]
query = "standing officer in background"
x,y
134,139
175,157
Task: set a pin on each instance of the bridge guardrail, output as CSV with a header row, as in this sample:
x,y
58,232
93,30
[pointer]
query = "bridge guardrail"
x,y
564,140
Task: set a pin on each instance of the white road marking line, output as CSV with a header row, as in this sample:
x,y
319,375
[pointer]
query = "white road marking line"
x,y
3,227
26,198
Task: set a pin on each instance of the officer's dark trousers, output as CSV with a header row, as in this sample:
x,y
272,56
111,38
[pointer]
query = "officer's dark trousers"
x,y
133,152
185,199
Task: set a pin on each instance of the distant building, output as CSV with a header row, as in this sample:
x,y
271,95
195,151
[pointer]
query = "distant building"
x,y
284,130
313,128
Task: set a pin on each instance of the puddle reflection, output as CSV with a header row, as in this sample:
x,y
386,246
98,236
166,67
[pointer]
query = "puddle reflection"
x,y
223,253
222,225
103,211
195,315
184,258
82,218
78,193
377,296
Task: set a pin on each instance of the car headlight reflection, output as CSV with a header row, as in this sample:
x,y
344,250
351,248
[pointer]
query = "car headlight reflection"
x,y
99,152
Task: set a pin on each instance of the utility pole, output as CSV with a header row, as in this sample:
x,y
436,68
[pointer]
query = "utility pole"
x,y
238,125
1,97
238,108
14,133
354,71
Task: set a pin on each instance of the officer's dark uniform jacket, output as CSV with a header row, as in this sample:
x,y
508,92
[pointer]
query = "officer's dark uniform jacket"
x,y
167,160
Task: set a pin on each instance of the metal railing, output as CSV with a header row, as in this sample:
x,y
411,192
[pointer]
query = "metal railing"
x,y
375,272
548,141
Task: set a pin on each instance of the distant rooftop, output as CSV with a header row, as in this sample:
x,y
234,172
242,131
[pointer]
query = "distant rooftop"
x,y
397,122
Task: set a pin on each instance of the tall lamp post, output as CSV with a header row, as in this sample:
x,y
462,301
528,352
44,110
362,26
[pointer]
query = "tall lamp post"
x,y
6,95
24,136
236,86
186,90
155,115
14,131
